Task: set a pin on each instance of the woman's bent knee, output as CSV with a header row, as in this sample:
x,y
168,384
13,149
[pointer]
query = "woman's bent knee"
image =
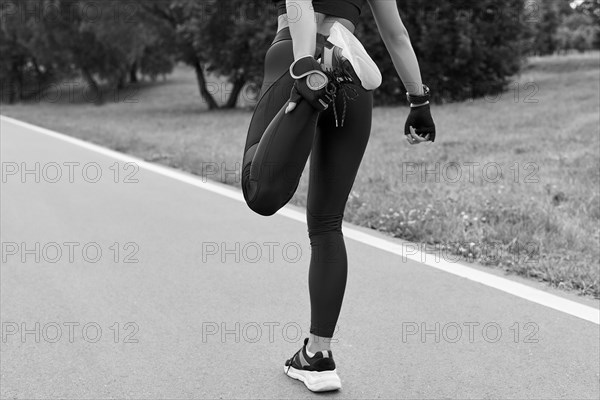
x,y
262,202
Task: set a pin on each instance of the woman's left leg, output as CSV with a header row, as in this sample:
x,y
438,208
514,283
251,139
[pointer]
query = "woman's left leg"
x,y
278,144
336,156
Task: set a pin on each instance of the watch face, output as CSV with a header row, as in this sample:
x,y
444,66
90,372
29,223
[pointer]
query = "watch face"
x,y
316,81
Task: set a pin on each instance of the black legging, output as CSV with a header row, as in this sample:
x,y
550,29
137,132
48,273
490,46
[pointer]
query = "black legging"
x,y
276,152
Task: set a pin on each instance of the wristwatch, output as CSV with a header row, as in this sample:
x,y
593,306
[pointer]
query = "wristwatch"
x,y
416,101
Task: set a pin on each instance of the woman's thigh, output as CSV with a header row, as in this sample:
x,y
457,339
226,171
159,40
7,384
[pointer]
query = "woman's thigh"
x,y
337,154
275,91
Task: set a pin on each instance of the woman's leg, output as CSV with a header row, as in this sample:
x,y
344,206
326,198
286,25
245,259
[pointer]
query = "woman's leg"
x,y
336,157
278,144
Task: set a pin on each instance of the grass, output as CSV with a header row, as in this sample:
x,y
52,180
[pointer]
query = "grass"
x,y
539,219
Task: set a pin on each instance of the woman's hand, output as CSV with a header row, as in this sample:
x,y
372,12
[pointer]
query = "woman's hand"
x,y
414,139
312,85
419,125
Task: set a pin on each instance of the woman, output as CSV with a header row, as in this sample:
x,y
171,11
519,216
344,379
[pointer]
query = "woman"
x,y
317,100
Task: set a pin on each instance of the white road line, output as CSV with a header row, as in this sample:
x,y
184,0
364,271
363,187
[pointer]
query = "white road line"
x,y
405,250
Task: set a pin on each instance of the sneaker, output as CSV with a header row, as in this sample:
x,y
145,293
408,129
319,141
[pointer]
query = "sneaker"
x,y
344,51
337,66
318,372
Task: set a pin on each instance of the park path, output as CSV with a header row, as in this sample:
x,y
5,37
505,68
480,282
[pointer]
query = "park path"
x,y
149,287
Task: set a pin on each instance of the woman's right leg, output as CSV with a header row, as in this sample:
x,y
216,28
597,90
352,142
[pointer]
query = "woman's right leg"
x,y
335,160
278,144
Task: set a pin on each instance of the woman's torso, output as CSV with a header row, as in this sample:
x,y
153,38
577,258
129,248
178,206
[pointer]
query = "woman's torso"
x,y
324,21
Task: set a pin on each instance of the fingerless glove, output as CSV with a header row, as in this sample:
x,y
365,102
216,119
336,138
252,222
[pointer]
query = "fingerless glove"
x,y
420,115
312,84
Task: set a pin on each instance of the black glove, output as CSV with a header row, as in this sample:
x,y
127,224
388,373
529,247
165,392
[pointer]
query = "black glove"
x,y
420,116
312,84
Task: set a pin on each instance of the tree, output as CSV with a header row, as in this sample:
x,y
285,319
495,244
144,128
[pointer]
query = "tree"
x,y
591,8
178,14
98,41
577,32
238,51
21,74
465,48
579,29
547,17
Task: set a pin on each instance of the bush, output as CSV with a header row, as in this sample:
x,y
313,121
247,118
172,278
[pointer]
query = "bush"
x,y
466,49
577,32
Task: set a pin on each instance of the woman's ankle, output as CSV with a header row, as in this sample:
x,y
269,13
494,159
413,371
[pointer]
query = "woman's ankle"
x,y
318,343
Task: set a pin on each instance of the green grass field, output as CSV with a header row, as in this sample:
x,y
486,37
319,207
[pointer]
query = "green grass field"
x,y
512,182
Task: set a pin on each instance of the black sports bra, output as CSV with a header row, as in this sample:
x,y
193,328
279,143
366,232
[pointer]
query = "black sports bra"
x,y
348,9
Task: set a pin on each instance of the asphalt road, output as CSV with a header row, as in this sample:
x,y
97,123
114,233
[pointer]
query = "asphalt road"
x,y
131,284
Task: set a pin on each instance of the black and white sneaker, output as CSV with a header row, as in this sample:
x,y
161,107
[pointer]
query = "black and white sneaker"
x,y
348,66
318,372
343,51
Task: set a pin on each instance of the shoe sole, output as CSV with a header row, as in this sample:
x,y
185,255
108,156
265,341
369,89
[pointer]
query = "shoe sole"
x,y
325,381
353,50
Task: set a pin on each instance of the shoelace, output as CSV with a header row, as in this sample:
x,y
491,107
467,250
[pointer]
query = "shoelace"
x,y
292,360
338,79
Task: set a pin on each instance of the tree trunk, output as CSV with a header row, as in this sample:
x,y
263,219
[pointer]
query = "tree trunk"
x,y
238,85
15,84
210,100
96,95
133,73
19,69
122,81
12,88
